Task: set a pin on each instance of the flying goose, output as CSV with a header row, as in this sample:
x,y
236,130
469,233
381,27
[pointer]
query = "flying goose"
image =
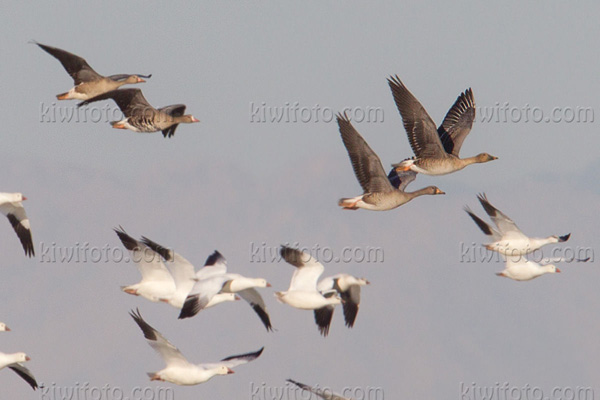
x,y
322,393
184,277
213,280
508,238
436,150
303,292
13,361
157,282
348,288
88,83
140,116
178,369
379,194
11,205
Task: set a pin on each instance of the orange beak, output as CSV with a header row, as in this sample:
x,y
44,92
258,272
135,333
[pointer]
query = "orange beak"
x,y
27,358
230,371
140,80
194,119
268,284
24,198
557,270
438,191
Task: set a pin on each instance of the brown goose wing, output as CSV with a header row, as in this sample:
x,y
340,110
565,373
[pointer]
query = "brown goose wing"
x,y
366,164
420,128
458,122
76,66
130,101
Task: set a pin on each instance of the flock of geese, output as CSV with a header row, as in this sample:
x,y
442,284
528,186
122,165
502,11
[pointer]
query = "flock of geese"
x,y
170,278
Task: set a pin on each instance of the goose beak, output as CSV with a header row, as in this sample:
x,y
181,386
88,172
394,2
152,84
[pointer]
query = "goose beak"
x,y
27,358
194,119
236,298
7,329
24,198
557,270
268,284
438,191
563,238
140,80
230,371
164,300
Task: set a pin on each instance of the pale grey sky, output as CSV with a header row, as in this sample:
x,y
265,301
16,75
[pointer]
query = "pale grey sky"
x,y
428,321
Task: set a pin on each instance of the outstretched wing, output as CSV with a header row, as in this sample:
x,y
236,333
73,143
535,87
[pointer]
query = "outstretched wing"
x,y
324,394
15,212
24,373
458,122
75,66
420,128
130,101
366,164
169,353
307,270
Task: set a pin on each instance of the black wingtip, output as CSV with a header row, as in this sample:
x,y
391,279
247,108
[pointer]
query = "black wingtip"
x,y
264,317
190,307
214,258
564,238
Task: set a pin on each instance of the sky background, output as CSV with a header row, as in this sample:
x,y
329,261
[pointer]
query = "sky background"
x,y
429,320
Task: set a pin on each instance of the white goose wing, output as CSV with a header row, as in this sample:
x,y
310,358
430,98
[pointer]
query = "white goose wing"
x,y
147,260
15,212
307,270
234,361
201,294
484,226
24,373
215,265
258,305
182,271
324,394
169,353
506,226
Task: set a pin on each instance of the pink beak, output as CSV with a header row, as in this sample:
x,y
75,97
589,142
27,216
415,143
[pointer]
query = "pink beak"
x,y
140,80
268,284
230,371
557,270
27,358
195,119
7,329
24,198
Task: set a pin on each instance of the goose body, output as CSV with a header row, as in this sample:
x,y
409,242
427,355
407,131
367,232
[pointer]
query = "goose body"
x,y
178,369
436,149
507,238
379,194
522,269
11,205
88,83
140,116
